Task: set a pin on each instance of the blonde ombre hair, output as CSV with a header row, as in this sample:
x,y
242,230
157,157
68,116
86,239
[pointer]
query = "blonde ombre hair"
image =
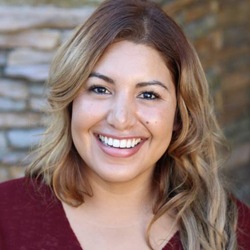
x,y
186,177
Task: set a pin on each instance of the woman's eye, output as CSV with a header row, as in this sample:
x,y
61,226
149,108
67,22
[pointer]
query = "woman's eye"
x,y
149,95
99,90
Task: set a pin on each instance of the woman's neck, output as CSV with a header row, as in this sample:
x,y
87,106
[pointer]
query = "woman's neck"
x,y
119,201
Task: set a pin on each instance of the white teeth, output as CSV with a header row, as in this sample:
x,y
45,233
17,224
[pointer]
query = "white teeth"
x,y
123,144
110,141
134,141
116,143
105,139
129,143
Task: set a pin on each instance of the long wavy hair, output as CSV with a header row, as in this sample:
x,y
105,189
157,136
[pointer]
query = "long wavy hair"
x,y
187,177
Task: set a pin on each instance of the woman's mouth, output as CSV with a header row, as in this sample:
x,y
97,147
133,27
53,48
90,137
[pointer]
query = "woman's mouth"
x,y
119,143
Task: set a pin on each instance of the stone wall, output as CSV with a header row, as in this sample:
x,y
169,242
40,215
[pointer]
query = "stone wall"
x,y
31,33
233,59
219,30
29,36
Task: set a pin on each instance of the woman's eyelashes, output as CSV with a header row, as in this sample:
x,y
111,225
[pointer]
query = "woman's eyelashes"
x,y
149,95
100,90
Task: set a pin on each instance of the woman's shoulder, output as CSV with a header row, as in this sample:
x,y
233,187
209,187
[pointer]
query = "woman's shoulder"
x,y
6,185
24,195
31,216
13,191
19,198
22,190
14,184
243,215
243,226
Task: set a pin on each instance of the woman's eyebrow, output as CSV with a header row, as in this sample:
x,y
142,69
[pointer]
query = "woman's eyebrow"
x,y
102,77
138,85
150,83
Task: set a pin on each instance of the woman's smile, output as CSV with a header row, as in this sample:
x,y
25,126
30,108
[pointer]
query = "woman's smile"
x,y
119,146
119,143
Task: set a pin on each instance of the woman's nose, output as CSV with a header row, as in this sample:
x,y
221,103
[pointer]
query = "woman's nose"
x,y
121,114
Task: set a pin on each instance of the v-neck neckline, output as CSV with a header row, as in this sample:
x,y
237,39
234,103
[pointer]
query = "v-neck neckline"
x,y
170,243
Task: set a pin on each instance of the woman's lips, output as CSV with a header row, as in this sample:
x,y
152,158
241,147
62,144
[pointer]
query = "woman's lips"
x,y
119,147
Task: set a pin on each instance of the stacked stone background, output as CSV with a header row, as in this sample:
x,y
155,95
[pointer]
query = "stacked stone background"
x,y
31,31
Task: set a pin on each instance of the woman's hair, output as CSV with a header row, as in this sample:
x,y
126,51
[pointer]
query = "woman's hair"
x,y
186,177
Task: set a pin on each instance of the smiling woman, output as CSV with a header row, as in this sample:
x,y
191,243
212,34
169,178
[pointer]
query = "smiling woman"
x,y
130,156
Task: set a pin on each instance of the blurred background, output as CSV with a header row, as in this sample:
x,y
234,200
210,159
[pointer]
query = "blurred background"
x,y
32,30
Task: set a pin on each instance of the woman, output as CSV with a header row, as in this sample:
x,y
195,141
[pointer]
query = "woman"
x,y
129,160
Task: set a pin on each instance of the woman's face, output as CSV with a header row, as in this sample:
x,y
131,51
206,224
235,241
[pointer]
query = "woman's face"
x,y
123,117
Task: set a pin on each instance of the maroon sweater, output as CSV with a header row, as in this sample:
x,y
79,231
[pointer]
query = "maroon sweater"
x,y
31,218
